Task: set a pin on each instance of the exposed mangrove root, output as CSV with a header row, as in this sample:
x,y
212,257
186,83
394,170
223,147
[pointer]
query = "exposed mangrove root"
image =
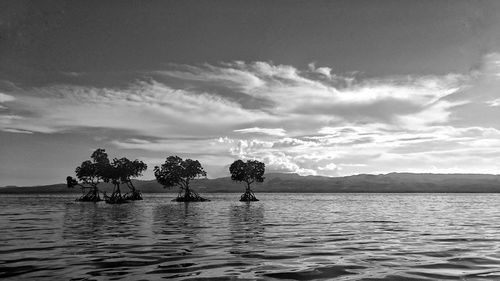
x,y
115,198
134,195
91,196
189,196
248,196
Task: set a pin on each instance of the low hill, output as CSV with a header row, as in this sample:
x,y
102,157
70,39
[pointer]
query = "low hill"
x,y
278,182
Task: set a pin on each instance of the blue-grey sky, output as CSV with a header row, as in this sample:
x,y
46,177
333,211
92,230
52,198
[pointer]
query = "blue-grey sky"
x,y
312,87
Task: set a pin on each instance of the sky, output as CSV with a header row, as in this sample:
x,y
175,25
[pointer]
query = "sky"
x,y
329,88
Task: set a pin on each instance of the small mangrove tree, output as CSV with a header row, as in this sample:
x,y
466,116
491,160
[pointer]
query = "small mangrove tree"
x,y
247,172
127,170
90,175
178,172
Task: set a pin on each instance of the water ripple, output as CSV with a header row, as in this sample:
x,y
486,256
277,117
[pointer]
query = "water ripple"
x,y
282,237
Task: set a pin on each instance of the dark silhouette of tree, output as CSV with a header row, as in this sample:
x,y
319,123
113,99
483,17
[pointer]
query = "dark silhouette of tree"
x,y
90,175
127,170
178,172
71,182
99,169
247,172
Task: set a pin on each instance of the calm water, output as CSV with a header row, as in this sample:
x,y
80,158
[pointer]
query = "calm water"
x,y
284,236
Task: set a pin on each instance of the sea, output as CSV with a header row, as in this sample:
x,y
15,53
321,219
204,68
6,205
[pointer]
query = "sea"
x,y
281,237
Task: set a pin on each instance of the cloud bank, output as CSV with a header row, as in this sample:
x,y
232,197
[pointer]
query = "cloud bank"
x,y
309,121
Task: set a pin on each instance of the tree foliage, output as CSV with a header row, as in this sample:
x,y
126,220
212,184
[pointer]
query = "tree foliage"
x,y
100,158
127,169
91,171
248,172
71,182
178,172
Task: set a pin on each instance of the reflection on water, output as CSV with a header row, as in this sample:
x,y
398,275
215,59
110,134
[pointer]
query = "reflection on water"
x,y
282,237
101,221
247,229
180,217
83,221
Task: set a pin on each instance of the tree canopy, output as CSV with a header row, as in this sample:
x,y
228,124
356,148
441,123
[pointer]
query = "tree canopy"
x,y
248,172
178,172
91,172
127,169
120,171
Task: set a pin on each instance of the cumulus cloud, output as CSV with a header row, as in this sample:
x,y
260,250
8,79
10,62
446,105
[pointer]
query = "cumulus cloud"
x,y
329,170
325,71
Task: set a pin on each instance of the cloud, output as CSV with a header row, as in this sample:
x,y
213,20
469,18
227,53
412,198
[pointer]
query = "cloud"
x,y
5,98
144,108
17,131
180,146
308,121
353,149
302,94
329,167
266,131
253,96
479,99
325,71
495,102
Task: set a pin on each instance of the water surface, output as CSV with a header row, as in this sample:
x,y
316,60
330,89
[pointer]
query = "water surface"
x,y
282,237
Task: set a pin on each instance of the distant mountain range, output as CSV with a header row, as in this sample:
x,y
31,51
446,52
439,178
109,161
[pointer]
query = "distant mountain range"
x,y
280,182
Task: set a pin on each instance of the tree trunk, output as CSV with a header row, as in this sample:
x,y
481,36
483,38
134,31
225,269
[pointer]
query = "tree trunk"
x,y
116,196
134,194
189,195
131,186
92,195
